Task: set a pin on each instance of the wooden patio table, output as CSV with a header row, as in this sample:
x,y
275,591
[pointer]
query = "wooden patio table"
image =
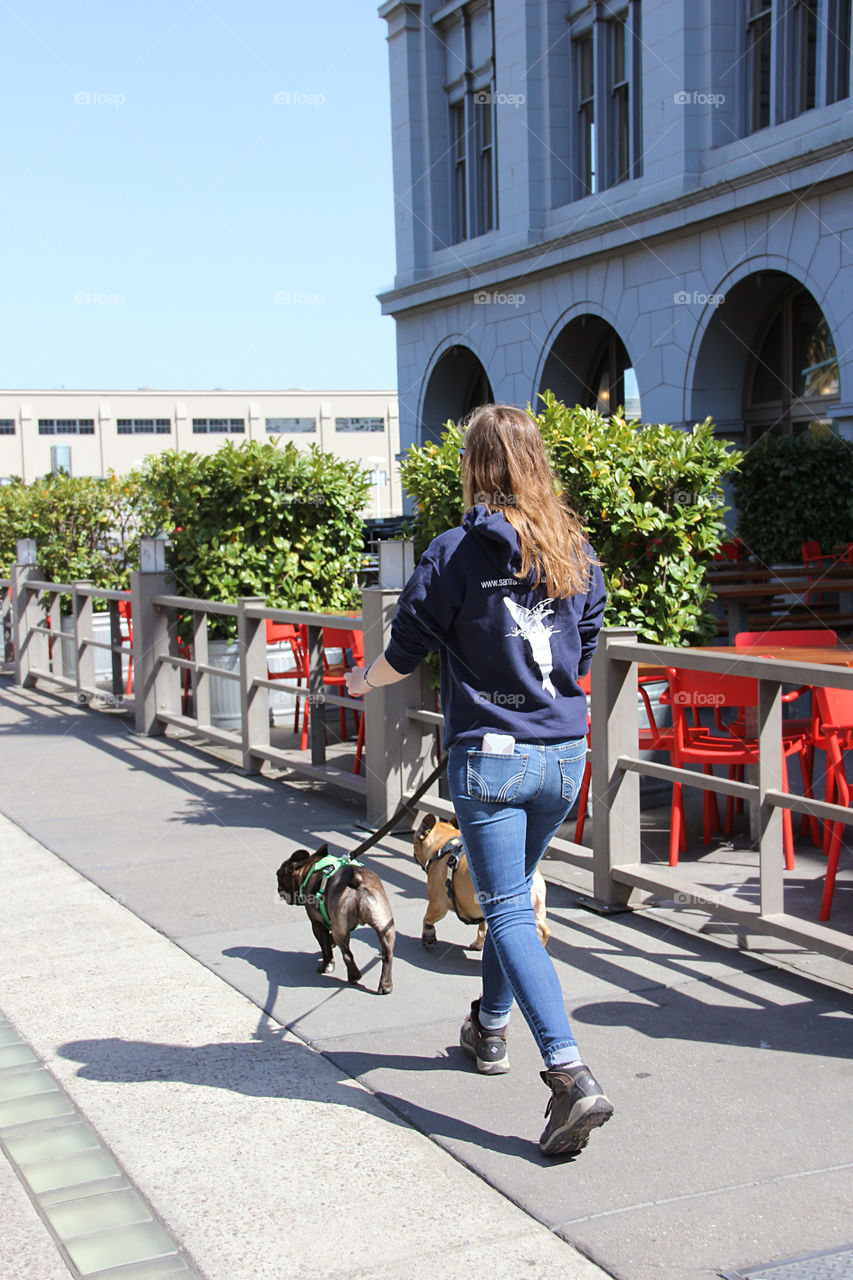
x,y
745,590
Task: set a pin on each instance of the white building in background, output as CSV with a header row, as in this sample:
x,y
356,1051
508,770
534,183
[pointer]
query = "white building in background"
x,y
92,432
636,202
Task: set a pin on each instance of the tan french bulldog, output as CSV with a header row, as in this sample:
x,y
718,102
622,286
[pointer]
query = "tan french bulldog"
x,y
429,839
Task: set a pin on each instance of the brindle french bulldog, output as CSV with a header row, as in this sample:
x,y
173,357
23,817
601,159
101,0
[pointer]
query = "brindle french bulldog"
x,y
430,836
353,896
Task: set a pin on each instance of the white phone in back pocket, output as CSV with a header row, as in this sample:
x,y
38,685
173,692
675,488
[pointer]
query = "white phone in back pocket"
x,y
498,744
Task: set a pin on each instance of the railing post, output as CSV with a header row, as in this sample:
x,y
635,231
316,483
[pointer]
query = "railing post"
x,y
84,655
316,696
397,749
200,679
616,794
770,816
116,657
31,647
156,687
254,700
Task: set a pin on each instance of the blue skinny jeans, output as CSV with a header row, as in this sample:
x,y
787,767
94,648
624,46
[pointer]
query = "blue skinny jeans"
x,y
509,808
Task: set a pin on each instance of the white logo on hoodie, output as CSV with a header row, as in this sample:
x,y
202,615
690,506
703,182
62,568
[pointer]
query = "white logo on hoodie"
x,y
537,632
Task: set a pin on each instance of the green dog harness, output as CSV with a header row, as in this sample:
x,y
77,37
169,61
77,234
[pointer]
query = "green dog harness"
x,y
327,867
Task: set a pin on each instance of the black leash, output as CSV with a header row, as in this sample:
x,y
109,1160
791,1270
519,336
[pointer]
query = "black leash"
x,y
404,806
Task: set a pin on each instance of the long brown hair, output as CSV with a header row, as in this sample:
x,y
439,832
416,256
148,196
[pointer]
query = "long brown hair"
x,y
507,469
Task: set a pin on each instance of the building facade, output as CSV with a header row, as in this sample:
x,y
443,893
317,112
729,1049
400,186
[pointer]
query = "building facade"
x,y
92,432
646,203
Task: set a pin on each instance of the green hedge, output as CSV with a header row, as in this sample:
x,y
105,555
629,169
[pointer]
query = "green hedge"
x,y
257,519
650,496
85,528
794,489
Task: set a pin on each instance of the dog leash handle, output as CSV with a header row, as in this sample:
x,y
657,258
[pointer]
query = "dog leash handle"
x,y
407,803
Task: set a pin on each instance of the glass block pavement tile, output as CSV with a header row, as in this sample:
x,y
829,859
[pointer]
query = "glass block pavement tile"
x,y
47,1144
40,1106
106,1249
834,1264
68,1171
22,1084
172,1267
47,1199
8,1034
98,1213
16,1055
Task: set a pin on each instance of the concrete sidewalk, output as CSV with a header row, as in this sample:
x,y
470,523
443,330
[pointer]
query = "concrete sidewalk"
x,y
251,1134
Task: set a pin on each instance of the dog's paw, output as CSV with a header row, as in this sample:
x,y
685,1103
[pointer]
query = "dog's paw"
x,y
385,988
429,939
322,967
354,976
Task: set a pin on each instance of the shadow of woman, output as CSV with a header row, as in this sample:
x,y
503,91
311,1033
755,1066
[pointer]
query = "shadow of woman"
x,y
274,1065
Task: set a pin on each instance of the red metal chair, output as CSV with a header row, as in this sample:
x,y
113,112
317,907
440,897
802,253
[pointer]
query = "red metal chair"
x,y
125,612
297,638
652,738
813,637
814,559
697,689
734,551
835,712
333,674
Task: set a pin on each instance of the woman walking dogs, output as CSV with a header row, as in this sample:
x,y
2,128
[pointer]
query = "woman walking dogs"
x,y
513,601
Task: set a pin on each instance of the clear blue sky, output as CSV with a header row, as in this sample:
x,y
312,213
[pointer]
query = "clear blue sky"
x,y
182,199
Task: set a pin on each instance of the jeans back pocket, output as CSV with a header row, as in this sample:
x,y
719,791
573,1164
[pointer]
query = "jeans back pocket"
x,y
572,767
494,778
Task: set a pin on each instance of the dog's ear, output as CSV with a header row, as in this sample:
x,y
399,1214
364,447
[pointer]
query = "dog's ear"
x,y
321,852
298,858
426,826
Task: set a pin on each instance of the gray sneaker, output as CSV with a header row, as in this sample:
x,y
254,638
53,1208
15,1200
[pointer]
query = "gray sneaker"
x,y
487,1048
577,1106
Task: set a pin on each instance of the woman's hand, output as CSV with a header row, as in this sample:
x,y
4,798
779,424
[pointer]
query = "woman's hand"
x,y
354,679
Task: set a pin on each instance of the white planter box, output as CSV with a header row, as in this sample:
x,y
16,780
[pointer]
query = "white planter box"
x,y
103,658
225,694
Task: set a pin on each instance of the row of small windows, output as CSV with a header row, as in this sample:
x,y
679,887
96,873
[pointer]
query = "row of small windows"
x,y
66,426
201,426
791,56
143,426
307,425
219,426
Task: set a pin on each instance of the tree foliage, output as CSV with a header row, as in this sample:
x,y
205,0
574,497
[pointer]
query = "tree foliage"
x,y
86,529
258,520
650,496
795,489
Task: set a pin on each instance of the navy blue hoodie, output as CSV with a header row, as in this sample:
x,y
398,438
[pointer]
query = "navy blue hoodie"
x,y
510,654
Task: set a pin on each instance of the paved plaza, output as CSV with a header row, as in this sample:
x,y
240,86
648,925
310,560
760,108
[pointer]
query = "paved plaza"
x,y
282,1124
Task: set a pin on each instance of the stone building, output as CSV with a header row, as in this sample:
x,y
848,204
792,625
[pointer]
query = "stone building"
x,y
645,203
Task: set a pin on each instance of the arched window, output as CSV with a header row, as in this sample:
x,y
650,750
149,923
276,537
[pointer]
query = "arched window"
x,y
457,384
793,370
613,382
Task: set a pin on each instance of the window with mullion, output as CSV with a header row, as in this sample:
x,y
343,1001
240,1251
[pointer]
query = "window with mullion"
x,y
484,134
585,76
459,138
759,37
805,55
838,50
619,149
